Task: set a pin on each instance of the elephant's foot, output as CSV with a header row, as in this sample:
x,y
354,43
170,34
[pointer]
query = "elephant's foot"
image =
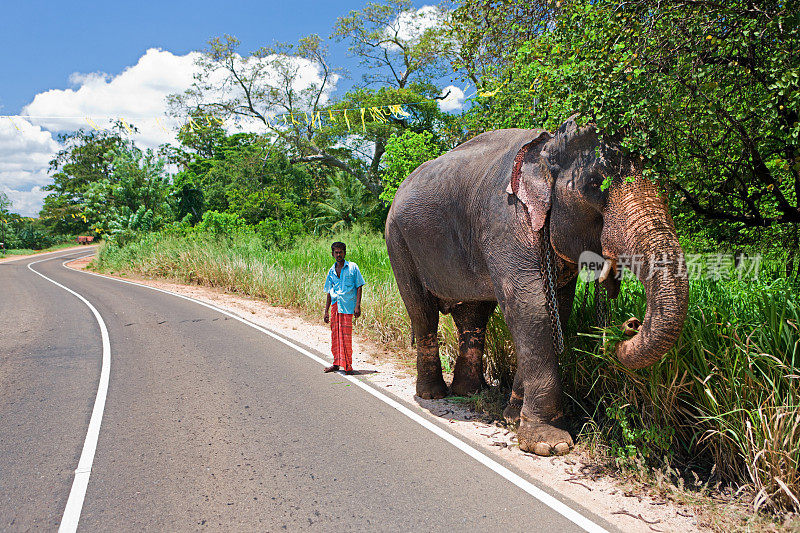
x,y
431,390
465,384
511,413
513,409
543,439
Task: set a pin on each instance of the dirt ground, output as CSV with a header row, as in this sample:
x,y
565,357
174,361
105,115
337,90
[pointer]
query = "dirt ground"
x,y
573,475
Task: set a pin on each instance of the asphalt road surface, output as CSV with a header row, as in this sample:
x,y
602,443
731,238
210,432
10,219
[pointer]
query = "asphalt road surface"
x,y
211,423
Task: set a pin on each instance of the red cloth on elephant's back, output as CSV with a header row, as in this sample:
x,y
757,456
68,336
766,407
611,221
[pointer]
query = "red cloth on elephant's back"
x,y
341,338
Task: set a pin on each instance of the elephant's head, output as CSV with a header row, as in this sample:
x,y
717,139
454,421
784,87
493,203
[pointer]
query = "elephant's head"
x,y
561,175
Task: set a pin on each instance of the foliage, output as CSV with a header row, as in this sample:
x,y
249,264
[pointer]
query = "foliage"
x,y
490,32
85,159
258,86
397,44
221,224
404,153
347,202
132,198
706,92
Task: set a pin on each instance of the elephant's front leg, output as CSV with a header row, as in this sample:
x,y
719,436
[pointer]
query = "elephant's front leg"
x,y
565,295
541,410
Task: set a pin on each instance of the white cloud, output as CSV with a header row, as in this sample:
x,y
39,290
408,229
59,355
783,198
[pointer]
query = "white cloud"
x,y
454,100
409,26
25,203
25,152
137,95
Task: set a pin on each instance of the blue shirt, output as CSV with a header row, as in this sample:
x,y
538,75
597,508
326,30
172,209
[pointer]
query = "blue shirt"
x,y
342,288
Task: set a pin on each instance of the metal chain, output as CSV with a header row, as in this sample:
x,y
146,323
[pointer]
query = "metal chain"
x,y
550,274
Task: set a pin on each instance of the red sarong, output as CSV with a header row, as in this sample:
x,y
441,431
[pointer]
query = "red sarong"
x,y
341,338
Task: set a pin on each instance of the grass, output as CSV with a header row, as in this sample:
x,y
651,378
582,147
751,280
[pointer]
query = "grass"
x,y
724,402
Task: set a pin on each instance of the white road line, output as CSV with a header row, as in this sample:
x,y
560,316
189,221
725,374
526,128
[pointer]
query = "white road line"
x,y
72,512
553,503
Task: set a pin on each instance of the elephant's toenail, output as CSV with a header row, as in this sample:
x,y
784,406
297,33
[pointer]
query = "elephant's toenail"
x,y
542,448
562,448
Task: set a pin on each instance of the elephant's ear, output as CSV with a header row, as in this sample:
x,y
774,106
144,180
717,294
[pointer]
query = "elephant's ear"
x,y
531,181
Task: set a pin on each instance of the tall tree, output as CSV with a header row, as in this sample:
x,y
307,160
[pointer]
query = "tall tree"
x,y
291,81
85,159
707,92
404,51
397,44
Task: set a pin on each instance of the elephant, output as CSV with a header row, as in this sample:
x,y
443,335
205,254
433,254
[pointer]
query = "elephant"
x,y
472,230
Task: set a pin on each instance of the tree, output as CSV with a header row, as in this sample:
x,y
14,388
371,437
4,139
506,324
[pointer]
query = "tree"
x,y
241,173
5,217
404,153
404,51
268,82
133,198
397,44
490,32
347,202
706,91
86,158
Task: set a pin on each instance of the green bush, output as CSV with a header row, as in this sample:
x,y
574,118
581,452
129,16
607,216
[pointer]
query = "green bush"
x,y
221,224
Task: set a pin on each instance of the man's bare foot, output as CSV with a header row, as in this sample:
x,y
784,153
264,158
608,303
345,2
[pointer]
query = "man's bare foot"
x,y
332,368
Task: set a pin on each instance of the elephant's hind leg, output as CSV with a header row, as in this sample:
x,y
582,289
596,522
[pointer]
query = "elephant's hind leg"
x,y
423,310
471,319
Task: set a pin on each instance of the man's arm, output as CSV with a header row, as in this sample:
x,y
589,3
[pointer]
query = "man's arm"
x,y
327,308
357,311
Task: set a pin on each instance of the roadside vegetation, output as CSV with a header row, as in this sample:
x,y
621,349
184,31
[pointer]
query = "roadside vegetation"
x,y
705,91
722,404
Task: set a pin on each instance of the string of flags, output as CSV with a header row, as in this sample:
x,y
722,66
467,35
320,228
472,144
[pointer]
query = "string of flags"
x,y
352,118
363,115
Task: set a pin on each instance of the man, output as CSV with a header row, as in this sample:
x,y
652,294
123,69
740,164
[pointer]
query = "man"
x,y
343,302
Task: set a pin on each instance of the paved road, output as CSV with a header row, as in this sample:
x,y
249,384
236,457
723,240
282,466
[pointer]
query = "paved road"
x,y
210,423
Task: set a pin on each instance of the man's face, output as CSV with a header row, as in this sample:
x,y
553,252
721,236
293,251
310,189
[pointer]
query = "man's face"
x,y
338,255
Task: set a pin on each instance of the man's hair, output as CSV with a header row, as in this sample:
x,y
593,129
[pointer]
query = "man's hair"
x,y
338,246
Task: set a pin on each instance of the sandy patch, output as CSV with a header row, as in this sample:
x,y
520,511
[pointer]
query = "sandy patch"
x,y
572,475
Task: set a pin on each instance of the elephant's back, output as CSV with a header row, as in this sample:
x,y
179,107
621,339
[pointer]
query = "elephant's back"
x,y
466,174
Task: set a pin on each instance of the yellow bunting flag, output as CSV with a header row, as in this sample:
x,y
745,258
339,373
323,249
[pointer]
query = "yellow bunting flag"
x,y
307,121
363,124
316,120
489,94
398,110
127,127
267,121
93,124
192,124
13,123
378,114
158,121
346,119
333,120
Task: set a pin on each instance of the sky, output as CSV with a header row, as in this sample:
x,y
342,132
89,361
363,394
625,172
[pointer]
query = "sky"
x,y
77,59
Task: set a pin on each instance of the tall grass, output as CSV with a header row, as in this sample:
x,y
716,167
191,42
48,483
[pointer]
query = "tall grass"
x,y
725,399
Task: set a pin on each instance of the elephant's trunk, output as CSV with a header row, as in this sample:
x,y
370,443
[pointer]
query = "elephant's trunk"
x,y
640,232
